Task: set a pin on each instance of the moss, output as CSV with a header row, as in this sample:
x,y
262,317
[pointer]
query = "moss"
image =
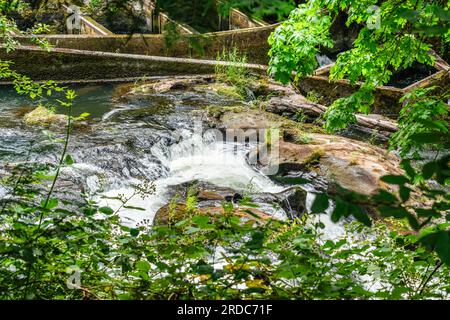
x,y
314,158
42,116
303,139
219,111
227,90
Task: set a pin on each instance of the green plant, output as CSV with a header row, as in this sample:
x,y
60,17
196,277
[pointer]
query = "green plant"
x,y
295,44
401,37
303,139
425,115
313,96
47,242
300,116
260,9
233,71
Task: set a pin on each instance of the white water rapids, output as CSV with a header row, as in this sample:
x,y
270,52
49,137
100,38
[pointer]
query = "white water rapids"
x,y
205,159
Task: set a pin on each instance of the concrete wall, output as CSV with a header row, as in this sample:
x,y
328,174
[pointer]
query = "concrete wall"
x,y
69,64
239,20
91,27
252,42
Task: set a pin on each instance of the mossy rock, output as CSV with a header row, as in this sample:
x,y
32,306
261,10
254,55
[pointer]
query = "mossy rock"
x,y
41,116
174,212
222,89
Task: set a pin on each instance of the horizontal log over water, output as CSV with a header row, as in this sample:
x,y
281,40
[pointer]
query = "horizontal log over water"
x,y
68,64
293,104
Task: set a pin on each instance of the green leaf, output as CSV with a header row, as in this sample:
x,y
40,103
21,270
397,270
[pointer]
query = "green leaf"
x,y
106,210
404,193
427,213
413,222
201,221
134,208
443,246
320,204
252,214
384,196
393,179
429,169
406,165
69,161
50,204
291,180
134,232
341,209
396,212
257,240
143,266
360,215
427,137
203,268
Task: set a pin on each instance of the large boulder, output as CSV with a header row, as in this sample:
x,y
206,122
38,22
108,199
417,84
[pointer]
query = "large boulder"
x,y
204,192
210,199
348,163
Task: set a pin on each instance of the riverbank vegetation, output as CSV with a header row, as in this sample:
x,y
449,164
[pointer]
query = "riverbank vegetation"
x,y
395,242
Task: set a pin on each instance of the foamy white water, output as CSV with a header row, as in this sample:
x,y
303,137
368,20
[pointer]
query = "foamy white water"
x,y
219,163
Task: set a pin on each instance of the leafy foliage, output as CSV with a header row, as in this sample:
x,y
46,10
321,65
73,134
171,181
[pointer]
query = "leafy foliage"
x,y
424,118
234,72
262,9
296,43
400,36
201,257
426,212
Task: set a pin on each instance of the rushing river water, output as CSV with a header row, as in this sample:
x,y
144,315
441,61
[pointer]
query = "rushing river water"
x,y
129,141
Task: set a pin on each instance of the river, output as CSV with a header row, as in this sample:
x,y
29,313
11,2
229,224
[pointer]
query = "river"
x,y
157,138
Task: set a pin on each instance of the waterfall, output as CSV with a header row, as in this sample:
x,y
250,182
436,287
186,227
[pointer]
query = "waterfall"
x,y
323,60
196,158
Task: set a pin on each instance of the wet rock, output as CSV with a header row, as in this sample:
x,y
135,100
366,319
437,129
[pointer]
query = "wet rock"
x,y
68,191
204,191
221,89
350,164
238,120
70,194
308,179
206,195
294,201
170,213
291,200
250,118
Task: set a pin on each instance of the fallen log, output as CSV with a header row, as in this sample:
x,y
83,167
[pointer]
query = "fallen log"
x,y
295,103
